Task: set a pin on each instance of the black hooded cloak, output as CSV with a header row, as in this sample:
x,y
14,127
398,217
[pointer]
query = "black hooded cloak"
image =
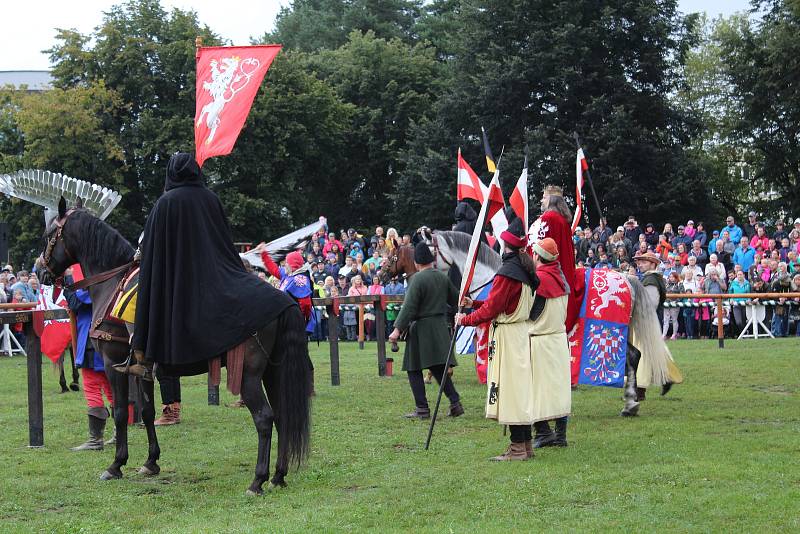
x,y
465,218
195,300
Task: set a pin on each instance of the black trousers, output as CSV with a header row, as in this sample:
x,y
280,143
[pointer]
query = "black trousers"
x,y
170,387
520,433
418,387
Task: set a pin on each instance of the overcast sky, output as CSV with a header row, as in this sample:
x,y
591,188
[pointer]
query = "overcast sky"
x,y
28,27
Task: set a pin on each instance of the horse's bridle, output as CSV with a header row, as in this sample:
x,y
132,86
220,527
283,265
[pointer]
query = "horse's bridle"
x,y
437,253
51,243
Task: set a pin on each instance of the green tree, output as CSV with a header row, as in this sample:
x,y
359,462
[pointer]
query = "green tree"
x,y
762,62
66,130
313,25
707,96
289,165
145,55
534,71
390,84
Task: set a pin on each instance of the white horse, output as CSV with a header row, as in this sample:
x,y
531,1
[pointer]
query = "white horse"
x,y
648,357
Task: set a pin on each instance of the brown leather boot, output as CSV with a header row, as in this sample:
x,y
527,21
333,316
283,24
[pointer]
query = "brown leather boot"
x,y
170,415
514,452
529,449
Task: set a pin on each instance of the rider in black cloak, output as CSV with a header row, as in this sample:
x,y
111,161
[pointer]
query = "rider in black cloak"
x,y
195,299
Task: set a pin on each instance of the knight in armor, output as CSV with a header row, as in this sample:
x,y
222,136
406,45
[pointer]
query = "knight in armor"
x,y
423,317
195,299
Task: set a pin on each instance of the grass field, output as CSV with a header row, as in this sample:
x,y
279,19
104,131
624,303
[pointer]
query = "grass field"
x,y
719,453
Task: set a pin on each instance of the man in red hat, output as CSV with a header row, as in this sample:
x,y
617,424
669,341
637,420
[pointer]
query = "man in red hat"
x,y
510,375
295,280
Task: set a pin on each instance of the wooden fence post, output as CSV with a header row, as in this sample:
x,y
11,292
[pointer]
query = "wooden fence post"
x,y
361,326
380,334
333,338
720,326
35,404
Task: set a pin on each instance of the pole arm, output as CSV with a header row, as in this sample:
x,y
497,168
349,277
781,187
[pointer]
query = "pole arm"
x,y
589,178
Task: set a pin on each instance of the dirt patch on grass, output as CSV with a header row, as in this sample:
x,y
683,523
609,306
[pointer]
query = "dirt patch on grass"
x,y
777,389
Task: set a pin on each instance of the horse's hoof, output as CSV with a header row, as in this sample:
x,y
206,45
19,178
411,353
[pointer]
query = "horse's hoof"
x,y
74,387
251,493
146,471
107,475
665,388
633,411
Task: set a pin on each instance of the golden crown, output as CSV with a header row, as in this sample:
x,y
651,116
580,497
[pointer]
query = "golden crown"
x,y
553,190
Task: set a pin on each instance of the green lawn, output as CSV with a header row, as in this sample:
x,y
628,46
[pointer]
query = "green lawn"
x,y
720,453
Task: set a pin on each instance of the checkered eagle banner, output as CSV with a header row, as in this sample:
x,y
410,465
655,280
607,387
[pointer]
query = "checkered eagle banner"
x,y
600,337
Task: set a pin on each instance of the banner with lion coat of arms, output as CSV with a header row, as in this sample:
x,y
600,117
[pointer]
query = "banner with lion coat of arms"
x,y
600,337
228,78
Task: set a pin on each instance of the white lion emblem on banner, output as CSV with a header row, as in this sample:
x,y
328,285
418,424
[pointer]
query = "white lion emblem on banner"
x,y
226,81
608,287
538,231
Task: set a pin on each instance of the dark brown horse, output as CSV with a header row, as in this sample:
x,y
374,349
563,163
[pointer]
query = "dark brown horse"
x,y
276,357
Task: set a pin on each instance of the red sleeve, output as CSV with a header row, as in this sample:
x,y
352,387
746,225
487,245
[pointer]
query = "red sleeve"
x,y
305,306
504,294
272,268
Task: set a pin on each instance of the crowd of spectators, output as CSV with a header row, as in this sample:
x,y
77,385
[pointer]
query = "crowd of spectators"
x,y
22,287
348,264
751,258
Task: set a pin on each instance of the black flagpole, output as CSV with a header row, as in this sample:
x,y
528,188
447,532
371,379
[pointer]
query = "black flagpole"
x,y
589,178
445,377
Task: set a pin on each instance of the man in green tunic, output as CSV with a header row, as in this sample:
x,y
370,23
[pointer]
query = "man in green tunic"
x,y
428,339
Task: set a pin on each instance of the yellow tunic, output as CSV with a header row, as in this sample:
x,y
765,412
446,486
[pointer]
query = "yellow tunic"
x,y
552,392
529,376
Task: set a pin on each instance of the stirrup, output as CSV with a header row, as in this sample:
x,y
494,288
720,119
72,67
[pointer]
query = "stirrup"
x,y
142,368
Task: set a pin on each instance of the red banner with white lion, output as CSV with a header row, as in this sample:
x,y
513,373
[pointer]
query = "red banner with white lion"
x,y
228,78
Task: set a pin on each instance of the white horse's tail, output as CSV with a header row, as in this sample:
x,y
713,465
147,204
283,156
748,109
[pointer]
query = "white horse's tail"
x,y
645,335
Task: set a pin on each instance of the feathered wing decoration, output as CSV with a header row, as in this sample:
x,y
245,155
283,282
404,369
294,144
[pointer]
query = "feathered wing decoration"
x,y
45,188
279,248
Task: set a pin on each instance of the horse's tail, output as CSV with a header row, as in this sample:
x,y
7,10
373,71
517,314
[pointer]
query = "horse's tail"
x,y
294,410
645,335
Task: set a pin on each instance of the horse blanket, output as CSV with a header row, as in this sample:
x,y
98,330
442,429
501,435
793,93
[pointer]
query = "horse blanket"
x,y
598,342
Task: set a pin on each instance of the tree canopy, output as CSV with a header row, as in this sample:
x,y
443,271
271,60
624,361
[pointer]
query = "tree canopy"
x,y
361,115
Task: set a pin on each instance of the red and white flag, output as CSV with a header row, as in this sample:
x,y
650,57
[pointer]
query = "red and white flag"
x,y
493,204
519,197
469,185
228,78
580,167
57,333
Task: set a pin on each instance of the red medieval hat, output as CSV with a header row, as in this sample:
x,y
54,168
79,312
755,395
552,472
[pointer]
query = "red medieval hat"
x,y
514,236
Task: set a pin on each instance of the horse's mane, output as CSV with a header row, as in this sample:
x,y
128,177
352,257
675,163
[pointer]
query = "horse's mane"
x,y
460,241
101,245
